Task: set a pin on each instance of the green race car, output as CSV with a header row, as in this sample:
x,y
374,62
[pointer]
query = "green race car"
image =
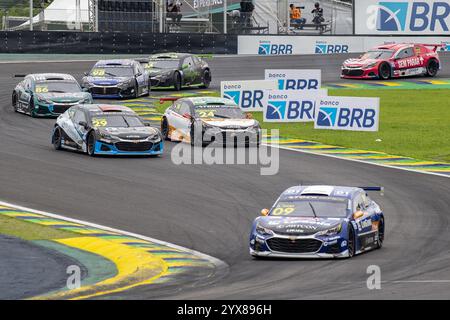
x,y
48,94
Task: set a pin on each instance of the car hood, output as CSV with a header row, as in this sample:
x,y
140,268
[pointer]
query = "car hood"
x,y
230,123
155,72
66,97
130,133
298,225
359,62
106,80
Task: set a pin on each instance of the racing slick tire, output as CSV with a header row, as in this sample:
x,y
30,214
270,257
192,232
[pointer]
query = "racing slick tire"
x,y
177,81
206,79
432,68
165,129
90,144
136,91
380,234
351,242
384,71
56,139
31,107
14,101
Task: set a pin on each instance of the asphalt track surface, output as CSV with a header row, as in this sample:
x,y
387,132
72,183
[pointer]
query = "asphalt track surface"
x,y
211,208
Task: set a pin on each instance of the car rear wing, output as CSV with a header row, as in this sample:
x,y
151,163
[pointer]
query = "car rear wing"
x,y
368,189
434,46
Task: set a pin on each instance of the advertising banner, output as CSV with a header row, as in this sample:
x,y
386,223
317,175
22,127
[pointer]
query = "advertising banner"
x,y
347,113
247,94
291,106
402,17
291,79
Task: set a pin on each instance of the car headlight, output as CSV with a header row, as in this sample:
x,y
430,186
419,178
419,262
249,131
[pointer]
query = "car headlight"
x,y
126,83
370,65
105,137
330,232
263,231
85,100
86,84
155,138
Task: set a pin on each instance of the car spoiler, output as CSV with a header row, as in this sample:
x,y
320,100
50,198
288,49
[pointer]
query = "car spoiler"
x,y
205,56
172,99
380,189
434,46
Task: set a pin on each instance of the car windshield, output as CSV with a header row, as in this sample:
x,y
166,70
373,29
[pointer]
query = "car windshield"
x,y
163,64
321,208
378,54
112,71
57,86
224,112
116,121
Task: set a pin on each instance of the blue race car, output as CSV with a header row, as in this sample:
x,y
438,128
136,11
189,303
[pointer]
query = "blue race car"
x,y
105,130
113,79
319,222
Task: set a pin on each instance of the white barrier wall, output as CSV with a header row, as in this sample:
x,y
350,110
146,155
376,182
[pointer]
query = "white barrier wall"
x,y
402,17
297,45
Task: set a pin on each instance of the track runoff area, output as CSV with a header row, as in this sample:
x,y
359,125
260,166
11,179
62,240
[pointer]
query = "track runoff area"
x,y
201,215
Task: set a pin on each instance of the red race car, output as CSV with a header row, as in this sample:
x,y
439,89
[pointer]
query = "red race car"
x,y
394,61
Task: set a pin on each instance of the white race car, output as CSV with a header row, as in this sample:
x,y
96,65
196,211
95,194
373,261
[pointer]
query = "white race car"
x,y
202,120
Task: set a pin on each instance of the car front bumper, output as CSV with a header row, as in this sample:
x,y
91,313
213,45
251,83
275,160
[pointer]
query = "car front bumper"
x,y
232,137
111,92
359,73
127,148
51,110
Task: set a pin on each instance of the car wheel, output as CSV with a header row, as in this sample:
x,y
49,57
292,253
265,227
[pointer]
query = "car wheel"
x,y
432,68
380,233
57,135
14,101
384,71
195,142
165,129
206,79
136,91
31,107
351,244
91,140
148,89
177,81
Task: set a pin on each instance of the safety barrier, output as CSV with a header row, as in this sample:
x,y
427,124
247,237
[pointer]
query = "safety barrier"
x,y
114,42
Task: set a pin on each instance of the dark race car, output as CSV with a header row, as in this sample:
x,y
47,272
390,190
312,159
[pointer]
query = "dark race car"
x,y
47,94
117,79
394,61
319,222
177,70
105,130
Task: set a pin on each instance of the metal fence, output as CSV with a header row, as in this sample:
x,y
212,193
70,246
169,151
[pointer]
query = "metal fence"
x,y
190,16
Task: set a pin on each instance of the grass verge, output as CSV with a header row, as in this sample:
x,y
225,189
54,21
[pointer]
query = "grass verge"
x,y
413,123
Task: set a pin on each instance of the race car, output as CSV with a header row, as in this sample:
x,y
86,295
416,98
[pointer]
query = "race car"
x,y
202,120
112,79
177,70
394,61
47,94
319,222
99,129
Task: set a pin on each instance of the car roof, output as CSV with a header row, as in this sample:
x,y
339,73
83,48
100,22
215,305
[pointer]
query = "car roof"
x,y
209,101
116,62
322,191
168,56
102,108
51,77
394,46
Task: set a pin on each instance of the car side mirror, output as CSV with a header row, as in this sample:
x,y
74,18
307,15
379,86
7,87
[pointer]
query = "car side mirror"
x,y
358,214
83,124
138,74
265,212
86,74
147,124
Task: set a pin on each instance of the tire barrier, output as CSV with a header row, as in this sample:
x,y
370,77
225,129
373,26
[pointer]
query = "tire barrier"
x,y
114,42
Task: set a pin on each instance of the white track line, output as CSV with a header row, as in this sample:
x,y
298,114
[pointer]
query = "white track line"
x,y
218,263
360,161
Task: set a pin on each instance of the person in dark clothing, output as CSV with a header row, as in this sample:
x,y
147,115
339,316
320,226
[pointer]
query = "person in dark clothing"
x,y
174,11
247,8
318,15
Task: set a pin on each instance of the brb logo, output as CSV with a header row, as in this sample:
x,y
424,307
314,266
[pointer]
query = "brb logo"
x,y
333,115
268,48
416,16
246,99
324,48
280,106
